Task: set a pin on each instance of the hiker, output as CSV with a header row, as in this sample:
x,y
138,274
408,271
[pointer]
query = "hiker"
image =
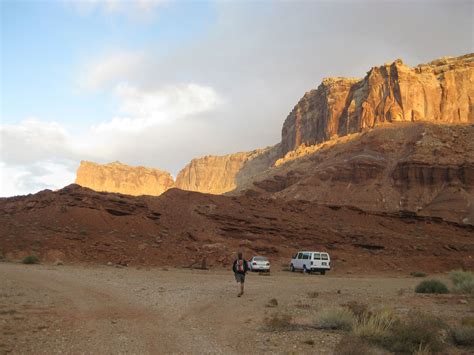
x,y
240,268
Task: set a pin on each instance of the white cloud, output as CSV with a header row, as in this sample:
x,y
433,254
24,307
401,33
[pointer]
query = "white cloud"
x,y
46,174
110,69
33,140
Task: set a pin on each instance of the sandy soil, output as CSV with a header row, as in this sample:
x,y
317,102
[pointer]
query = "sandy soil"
x,y
76,309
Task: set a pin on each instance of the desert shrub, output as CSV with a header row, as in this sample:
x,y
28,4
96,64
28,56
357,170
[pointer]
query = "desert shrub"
x,y
431,286
335,318
358,309
30,259
272,303
309,342
463,281
418,332
418,274
278,321
313,294
352,345
376,326
463,335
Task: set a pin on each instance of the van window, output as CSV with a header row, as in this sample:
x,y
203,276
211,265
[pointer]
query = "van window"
x,y
306,256
317,256
300,256
325,256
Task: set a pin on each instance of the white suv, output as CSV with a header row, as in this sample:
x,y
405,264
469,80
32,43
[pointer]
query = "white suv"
x,y
311,261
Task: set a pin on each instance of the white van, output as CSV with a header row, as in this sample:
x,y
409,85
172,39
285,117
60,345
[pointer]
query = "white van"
x,y
311,261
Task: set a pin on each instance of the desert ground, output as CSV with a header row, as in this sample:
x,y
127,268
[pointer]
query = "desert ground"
x,y
107,309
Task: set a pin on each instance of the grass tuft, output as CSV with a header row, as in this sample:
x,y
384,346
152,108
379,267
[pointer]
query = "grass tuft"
x,y
375,326
335,318
463,281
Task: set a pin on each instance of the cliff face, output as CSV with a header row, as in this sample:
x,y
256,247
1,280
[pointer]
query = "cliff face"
x,y
218,174
117,177
424,168
440,92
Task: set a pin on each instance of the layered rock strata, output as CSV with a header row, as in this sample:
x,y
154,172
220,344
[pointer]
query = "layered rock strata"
x,y
441,92
118,177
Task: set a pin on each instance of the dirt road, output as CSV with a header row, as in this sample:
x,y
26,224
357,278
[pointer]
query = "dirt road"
x,y
76,309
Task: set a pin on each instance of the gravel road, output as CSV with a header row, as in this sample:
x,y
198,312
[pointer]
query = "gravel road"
x,y
100,309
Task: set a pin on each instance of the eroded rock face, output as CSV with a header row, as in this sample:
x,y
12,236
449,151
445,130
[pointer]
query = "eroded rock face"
x,y
218,174
440,92
125,179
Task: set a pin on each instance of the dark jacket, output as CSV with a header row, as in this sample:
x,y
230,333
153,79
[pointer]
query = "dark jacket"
x,y
245,266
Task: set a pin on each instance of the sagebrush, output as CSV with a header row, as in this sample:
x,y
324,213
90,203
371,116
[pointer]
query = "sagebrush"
x,y
431,286
30,259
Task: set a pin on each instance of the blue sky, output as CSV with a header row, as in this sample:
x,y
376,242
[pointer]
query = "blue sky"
x,y
45,43
159,82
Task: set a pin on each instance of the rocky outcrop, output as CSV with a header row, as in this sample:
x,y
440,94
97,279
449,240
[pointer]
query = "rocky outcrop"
x,y
218,174
118,177
440,92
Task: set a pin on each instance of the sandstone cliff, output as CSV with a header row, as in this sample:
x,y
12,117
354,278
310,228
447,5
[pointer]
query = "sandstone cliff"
x,y
117,177
422,168
441,91
218,174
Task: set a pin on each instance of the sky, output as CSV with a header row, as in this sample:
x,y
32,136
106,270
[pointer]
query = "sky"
x,y
157,83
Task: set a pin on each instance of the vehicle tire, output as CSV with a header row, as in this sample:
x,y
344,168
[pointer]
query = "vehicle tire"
x,y
292,268
323,272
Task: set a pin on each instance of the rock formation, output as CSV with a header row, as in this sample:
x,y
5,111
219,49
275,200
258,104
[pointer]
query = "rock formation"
x,y
441,91
117,177
333,152
218,174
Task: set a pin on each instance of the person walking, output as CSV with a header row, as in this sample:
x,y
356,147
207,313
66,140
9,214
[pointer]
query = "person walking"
x,y
240,268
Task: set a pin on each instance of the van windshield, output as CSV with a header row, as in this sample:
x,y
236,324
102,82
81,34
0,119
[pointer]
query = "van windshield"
x,y
260,258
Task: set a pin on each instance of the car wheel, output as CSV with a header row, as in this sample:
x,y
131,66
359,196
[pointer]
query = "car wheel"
x,y
292,268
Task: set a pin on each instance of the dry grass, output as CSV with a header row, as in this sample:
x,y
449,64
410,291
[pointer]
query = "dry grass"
x,y
463,282
375,326
335,318
417,332
313,294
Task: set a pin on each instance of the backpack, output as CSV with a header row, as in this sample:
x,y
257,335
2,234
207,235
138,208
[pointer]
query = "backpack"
x,y
240,265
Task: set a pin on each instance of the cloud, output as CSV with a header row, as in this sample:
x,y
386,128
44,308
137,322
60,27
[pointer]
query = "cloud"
x,y
40,175
111,68
32,140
